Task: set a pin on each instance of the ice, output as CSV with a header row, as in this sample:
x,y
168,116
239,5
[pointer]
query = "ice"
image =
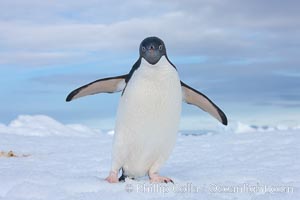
x,y
71,162
240,127
41,125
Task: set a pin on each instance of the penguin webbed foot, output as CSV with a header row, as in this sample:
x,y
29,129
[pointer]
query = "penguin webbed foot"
x,y
155,178
112,177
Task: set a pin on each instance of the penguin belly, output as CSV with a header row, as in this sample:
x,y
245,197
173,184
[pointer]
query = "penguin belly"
x,y
147,119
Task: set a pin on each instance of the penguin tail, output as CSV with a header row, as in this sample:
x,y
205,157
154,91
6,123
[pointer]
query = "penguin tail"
x,y
123,176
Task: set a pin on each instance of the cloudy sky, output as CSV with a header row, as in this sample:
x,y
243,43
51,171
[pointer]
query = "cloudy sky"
x,y
244,55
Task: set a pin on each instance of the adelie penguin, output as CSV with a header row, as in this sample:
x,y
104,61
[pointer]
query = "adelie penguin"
x,y
149,112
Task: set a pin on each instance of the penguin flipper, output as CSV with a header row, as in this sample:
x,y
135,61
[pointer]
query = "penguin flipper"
x,y
192,96
105,85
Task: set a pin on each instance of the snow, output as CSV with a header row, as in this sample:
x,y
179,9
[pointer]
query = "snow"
x,y
41,125
71,162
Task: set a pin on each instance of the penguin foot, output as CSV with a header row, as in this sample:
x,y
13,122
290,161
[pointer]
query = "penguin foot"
x,y
155,178
112,177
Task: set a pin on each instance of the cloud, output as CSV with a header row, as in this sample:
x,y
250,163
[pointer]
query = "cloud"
x,y
249,30
237,51
38,58
71,79
292,74
188,21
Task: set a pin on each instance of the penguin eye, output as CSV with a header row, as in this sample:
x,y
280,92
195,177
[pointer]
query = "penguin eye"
x,y
160,47
143,48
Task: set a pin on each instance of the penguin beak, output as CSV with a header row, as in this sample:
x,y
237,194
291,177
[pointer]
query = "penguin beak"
x,y
151,52
151,48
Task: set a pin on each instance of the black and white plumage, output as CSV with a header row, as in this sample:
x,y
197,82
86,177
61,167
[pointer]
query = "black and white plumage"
x,y
149,111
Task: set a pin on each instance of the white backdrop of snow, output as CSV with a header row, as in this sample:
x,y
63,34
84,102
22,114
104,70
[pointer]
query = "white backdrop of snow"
x,y
71,162
41,125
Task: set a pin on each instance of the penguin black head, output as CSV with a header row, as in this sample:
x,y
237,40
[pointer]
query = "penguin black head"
x,y
152,49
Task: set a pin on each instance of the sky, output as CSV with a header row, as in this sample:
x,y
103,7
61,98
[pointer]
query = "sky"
x,y
244,55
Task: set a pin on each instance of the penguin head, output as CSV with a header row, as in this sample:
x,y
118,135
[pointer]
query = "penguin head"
x,y
152,49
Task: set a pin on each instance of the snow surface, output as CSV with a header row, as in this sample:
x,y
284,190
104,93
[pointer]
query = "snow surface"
x,y
41,125
71,162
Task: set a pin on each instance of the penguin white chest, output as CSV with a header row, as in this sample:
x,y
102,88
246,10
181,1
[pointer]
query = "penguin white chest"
x,y
148,118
